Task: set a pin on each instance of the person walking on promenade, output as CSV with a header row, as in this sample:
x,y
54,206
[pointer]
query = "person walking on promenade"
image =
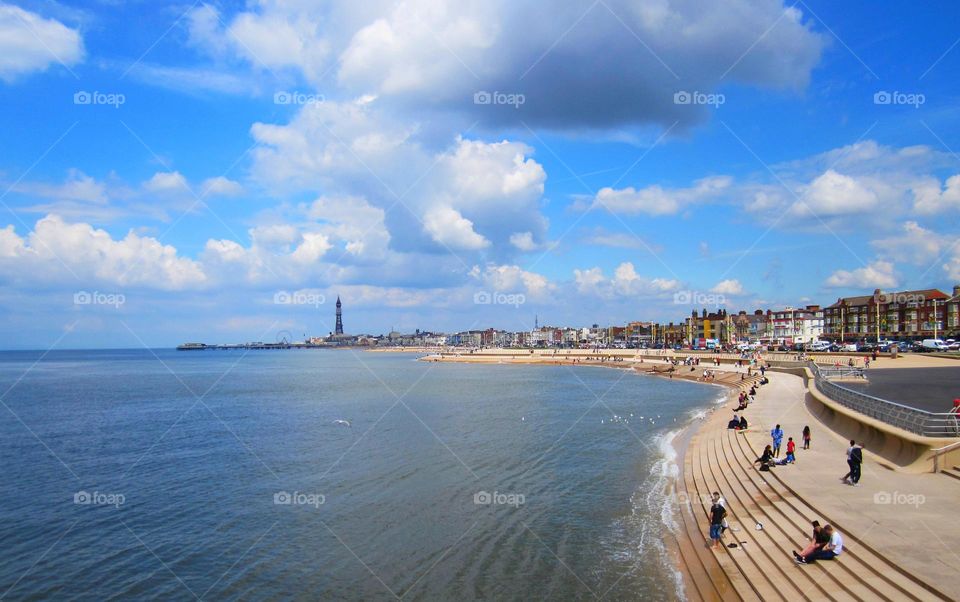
x,y
854,465
717,514
856,459
806,437
777,435
830,550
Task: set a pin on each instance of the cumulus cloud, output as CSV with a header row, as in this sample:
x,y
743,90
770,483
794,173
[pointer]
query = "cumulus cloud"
x,y
915,244
728,287
166,181
470,195
423,53
31,43
879,274
833,194
930,198
514,279
625,282
220,186
449,228
81,255
656,200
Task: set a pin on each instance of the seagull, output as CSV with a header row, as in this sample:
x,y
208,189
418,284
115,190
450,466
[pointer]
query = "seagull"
x,y
343,422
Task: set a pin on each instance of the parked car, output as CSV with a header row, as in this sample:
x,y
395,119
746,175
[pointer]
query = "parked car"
x,y
934,345
820,346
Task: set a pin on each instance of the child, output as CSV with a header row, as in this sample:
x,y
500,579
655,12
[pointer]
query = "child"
x,y
791,447
806,437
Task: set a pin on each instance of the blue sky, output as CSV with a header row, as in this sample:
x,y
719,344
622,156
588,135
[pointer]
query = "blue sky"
x,y
186,198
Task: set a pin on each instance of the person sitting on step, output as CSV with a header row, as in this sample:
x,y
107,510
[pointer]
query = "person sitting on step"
x,y
830,550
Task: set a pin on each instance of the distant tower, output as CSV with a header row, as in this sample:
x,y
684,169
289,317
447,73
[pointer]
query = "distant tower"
x,y
339,329
536,322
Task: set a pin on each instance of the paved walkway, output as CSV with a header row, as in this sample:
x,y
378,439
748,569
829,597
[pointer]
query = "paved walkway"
x,y
908,518
930,389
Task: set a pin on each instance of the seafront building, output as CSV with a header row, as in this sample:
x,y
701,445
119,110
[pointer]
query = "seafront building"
x,y
911,315
927,313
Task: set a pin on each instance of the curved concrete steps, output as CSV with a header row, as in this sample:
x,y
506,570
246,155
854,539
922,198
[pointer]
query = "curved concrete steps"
x,y
762,565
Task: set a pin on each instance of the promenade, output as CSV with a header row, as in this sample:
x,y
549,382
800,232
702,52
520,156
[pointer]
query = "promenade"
x,y
901,539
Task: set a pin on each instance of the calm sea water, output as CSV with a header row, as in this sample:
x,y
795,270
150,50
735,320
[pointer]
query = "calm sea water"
x,y
186,460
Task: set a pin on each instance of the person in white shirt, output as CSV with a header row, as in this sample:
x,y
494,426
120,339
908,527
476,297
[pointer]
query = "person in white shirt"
x,y
829,551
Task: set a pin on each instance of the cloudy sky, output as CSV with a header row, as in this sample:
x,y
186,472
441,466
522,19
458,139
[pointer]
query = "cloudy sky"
x,y
222,171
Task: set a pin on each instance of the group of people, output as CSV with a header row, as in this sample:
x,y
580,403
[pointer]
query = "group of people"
x,y
826,543
771,453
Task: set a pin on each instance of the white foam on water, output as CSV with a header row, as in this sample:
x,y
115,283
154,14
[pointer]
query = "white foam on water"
x,y
658,500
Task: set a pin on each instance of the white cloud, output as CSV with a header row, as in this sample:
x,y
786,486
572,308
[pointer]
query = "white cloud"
x,y
878,274
30,43
728,287
656,200
425,54
166,181
514,279
448,227
313,247
624,283
833,194
915,244
524,241
82,256
469,195
930,198
220,186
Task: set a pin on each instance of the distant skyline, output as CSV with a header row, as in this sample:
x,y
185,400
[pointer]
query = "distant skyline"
x,y
223,171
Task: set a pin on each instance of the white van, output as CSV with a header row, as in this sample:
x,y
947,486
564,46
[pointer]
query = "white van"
x,y
934,345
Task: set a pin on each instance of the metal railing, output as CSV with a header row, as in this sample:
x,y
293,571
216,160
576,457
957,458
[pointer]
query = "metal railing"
x,y
841,372
920,422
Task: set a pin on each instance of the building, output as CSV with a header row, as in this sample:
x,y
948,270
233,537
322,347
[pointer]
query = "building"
x,y
716,325
914,315
792,326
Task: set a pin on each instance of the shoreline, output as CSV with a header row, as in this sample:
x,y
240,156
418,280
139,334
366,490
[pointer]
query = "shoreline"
x,y
677,439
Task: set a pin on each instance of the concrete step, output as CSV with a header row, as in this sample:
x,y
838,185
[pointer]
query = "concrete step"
x,y
746,506
742,571
710,580
853,574
952,472
751,555
859,561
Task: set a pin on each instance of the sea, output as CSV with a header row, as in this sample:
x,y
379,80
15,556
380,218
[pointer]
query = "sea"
x,y
334,474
